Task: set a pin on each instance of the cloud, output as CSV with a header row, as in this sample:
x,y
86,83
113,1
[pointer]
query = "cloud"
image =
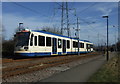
x,y
106,8
105,11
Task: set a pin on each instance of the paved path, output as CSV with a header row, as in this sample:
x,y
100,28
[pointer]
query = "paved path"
x,y
80,73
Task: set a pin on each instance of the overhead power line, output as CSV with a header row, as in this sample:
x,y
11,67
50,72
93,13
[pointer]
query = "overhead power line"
x,y
37,12
87,7
93,30
65,18
34,11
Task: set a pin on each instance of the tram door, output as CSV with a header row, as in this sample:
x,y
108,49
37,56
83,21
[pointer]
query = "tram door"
x,y
54,46
64,46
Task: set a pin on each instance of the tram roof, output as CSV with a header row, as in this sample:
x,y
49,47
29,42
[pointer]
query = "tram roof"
x,y
59,35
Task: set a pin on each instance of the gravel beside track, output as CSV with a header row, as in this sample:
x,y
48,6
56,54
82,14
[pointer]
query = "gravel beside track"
x,y
47,72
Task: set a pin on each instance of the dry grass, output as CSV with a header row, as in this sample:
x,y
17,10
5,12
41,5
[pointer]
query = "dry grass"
x,y
108,73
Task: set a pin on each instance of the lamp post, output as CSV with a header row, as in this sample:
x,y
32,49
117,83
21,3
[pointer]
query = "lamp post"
x,y
107,38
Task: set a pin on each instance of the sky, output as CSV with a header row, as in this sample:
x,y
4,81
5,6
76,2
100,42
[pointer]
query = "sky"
x,y
36,15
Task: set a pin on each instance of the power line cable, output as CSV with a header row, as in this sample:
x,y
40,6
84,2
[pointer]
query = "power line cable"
x,y
40,13
89,25
58,4
29,9
52,17
87,8
37,12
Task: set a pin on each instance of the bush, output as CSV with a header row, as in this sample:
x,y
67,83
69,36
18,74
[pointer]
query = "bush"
x,y
8,48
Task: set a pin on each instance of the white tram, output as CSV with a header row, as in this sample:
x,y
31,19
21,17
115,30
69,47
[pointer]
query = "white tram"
x,y
42,43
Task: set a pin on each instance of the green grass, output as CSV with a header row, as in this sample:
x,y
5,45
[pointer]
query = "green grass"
x,y
108,73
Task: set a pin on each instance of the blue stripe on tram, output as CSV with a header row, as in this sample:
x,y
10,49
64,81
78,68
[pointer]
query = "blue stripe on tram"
x,y
47,53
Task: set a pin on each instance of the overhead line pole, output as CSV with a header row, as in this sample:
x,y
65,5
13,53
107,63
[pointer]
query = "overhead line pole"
x,y
68,29
78,35
65,25
62,18
77,22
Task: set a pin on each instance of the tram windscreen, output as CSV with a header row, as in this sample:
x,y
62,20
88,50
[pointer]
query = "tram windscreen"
x,y
22,38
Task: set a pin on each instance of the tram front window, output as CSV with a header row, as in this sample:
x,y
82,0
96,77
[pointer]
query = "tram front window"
x,y
22,38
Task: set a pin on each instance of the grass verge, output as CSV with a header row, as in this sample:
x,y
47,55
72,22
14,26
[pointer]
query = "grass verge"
x,y
108,73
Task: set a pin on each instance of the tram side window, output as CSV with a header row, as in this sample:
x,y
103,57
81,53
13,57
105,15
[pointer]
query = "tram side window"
x,y
31,40
59,43
68,44
81,45
41,41
35,40
88,46
48,41
91,46
75,44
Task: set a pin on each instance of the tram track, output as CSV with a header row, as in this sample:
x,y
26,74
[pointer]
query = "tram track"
x,y
38,58
27,68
